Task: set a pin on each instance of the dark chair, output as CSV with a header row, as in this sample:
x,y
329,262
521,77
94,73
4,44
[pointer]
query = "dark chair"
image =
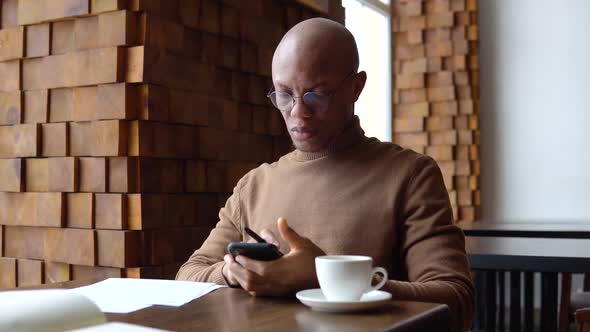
x,y
583,319
573,302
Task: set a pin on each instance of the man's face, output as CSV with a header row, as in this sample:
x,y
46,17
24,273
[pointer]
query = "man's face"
x,y
311,129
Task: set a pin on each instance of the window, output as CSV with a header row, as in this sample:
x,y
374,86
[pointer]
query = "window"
x,y
368,20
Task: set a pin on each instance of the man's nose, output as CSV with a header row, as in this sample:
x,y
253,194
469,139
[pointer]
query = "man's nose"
x,y
300,110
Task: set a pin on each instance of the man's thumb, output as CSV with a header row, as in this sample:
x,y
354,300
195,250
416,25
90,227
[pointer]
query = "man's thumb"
x,y
294,240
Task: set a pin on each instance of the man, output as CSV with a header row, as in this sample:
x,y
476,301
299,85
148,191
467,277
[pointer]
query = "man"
x,y
341,192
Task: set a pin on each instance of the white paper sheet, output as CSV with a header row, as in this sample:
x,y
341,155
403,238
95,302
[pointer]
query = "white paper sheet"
x,y
118,327
112,293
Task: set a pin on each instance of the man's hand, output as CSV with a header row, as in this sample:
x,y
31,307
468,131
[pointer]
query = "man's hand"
x,y
292,272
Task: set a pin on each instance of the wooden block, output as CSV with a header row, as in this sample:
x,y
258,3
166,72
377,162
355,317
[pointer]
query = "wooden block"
x,y
408,52
8,270
85,101
261,119
32,11
81,272
444,108
12,43
441,93
93,175
437,6
441,20
37,40
117,101
161,175
81,140
454,63
144,272
19,141
118,248
439,79
161,246
10,107
24,242
9,14
467,213
11,77
62,37
119,28
465,197
413,66
154,103
463,167
61,105
437,35
230,22
408,124
471,5
11,173
459,33
411,96
101,6
440,152
411,110
407,23
189,13
409,37
434,64
195,178
460,47
466,137
411,139
445,137
190,108
464,92
461,78
123,174
80,210
434,123
70,245
64,174
210,16
457,5
409,81
54,138
37,175
36,106
110,211
30,272
110,138
145,211
439,49
461,122
1,240
57,272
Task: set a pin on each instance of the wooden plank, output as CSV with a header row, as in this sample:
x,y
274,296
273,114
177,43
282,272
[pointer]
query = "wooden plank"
x,y
36,106
195,179
12,43
146,211
19,141
81,272
123,174
11,77
10,107
33,11
189,13
80,210
11,173
9,13
37,175
61,105
210,18
155,103
93,175
24,242
439,79
70,245
54,138
57,272
110,211
441,20
85,103
161,175
101,6
119,248
411,110
434,123
81,140
8,270
64,174
408,124
441,93
37,39
119,28
417,65
30,272
411,96
144,272
444,108
62,37
439,49
110,138
440,152
412,139
118,101
443,137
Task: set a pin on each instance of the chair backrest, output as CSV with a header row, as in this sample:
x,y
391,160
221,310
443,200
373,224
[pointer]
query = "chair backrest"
x,y
587,282
583,319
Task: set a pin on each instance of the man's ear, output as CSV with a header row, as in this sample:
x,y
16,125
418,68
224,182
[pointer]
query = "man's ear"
x,y
358,84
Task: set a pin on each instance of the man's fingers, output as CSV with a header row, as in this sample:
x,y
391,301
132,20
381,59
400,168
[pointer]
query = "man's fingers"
x,y
294,240
250,264
269,237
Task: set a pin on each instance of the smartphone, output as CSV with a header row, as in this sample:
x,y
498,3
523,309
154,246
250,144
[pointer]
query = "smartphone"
x,y
258,251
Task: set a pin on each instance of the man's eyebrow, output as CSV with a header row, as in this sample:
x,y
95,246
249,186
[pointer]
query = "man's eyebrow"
x,y
317,85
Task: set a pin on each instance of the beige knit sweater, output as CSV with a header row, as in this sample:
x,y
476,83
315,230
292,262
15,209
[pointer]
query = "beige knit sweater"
x,y
362,197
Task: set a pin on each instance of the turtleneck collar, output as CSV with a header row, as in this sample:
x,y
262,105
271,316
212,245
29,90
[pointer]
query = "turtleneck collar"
x,y
350,136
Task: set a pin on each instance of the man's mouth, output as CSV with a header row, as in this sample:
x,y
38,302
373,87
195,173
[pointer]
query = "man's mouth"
x,y
302,133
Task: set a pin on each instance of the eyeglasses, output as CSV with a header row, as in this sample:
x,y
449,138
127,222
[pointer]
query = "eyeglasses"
x,y
317,102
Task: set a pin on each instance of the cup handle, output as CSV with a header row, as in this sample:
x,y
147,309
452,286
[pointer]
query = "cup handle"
x,y
382,282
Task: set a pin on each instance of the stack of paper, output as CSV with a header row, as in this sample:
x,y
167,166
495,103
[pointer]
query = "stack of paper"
x,y
116,295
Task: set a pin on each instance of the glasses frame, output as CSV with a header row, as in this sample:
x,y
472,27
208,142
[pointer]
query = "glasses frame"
x,y
294,99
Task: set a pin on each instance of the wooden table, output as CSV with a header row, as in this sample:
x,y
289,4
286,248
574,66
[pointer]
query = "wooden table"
x,y
230,309
549,256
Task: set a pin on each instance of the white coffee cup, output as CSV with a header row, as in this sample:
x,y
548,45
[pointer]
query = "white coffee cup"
x,y
347,278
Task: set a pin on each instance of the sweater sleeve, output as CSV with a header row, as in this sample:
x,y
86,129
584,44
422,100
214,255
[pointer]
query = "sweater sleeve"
x,y
433,248
206,263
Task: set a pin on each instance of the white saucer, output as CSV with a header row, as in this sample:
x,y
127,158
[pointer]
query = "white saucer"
x,y
315,299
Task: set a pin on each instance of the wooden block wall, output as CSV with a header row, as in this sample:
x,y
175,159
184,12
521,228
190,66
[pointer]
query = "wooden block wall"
x,y
436,91
124,126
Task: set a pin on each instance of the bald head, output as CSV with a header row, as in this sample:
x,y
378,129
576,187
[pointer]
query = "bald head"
x,y
317,44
